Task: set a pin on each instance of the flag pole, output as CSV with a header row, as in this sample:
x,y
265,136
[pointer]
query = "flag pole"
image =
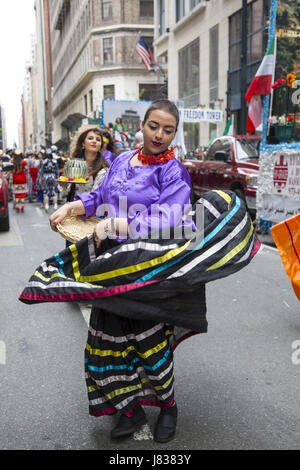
x,y
273,76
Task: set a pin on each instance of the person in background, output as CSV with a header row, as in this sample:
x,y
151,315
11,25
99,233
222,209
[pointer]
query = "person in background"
x,y
32,167
138,139
60,160
119,148
48,175
55,155
19,180
111,129
88,147
119,125
40,195
107,147
120,135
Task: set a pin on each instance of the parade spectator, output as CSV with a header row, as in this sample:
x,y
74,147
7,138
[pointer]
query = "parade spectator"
x,y
107,147
40,195
32,167
138,139
120,135
119,125
88,147
48,175
19,180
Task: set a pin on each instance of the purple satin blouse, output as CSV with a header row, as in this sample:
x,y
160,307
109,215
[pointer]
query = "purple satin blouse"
x,y
108,156
150,197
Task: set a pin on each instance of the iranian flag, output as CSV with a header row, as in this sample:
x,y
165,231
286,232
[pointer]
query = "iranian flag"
x,y
261,85
255,111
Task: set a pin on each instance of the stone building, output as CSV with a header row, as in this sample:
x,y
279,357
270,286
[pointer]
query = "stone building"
x,y
2,129
94,58
40,80
202,43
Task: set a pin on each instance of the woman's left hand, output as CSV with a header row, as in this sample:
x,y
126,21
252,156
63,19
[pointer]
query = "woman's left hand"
x,y
100,233
110,227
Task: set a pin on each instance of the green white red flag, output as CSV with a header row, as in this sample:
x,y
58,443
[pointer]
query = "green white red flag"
x,y
261,85
262,82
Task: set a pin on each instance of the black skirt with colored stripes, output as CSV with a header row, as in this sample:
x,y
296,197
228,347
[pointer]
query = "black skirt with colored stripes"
x,y
137,289
127,362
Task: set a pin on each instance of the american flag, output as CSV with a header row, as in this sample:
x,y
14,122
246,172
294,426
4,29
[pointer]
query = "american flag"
x,y
146,55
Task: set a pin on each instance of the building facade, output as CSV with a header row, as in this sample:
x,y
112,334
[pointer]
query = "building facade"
x,y
33,134
202,43
2,129
94,58
41,77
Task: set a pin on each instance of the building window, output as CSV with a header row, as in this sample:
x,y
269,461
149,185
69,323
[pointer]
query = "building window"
x,y
257,35
189,81
193,3
235,38
191,135
162,17
213,62
148,91
109,92
91,100
146,8
180,10
106,9
96,51
108,57
255,32
85,105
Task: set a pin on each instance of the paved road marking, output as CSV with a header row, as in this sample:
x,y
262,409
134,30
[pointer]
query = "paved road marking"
x,y
40,212
13,237
44,225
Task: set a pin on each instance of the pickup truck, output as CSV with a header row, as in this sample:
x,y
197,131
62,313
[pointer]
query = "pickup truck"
x,y
230,162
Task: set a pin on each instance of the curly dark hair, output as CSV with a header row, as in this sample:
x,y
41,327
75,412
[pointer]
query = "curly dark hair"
x,y
78,152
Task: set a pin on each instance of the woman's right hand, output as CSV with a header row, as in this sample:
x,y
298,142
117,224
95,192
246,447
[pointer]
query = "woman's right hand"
x,y
58,216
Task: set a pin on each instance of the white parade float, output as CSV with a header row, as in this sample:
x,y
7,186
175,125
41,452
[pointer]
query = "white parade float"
x,y
278,191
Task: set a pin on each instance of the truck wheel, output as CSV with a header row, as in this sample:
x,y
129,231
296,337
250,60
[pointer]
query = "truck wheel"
x,y
240,193
4,224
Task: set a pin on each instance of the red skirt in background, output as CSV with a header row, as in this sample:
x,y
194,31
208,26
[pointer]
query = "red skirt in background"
x,y
33,174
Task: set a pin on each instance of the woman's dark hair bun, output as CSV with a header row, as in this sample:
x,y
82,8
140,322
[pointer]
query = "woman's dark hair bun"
x,y
164,105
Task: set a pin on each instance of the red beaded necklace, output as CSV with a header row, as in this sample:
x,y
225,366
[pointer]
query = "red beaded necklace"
x,y
156,159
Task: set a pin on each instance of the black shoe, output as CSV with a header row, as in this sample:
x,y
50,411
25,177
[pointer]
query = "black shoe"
x,y
165,427
127,426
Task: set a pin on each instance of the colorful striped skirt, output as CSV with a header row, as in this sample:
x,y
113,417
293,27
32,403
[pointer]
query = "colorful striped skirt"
x,y
127,362
138,288
20,191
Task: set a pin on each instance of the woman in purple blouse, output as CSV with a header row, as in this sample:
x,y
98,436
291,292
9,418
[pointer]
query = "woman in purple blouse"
x,y
129,362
